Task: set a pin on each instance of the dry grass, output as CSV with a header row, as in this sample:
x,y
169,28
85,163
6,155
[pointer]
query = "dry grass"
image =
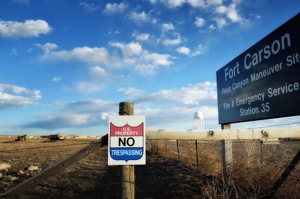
x,y
256,167
167,174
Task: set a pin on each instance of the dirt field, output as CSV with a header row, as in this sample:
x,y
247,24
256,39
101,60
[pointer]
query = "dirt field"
x,y
90,177
162,177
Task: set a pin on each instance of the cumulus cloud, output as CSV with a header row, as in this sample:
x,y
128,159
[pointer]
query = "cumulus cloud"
x,y
167,26
83,113
173,3
173,41
89,7
30,28
199,50
97,71
201,96
199,22
230,11
46,47
56,79
115,8
142,37
133,57
144,62
183,50
193,3
203,93
84,54
212,27
220,22
130,91
16,96
129,49
204,3
139,17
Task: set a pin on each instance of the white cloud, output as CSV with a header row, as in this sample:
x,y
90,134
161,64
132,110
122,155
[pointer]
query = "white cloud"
x,y
89,7
199,50
199,22
193,3
14,52
56,79
47,47
129,49
230,11
115,8
201,96
83,113
97,71
15,96
220,22
167,26
83,54
183,50
142,37
144,63
173,41
202,93
158,59
88,87
197,3
139,17
133,57
173,3
130,91
204,3
256,16
212,27
30,28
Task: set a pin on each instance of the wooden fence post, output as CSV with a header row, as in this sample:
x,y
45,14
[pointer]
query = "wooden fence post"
x,y
197,153
127,171
227,155
177,149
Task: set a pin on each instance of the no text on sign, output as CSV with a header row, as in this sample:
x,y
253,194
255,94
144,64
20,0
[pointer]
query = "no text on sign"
x,y
126,140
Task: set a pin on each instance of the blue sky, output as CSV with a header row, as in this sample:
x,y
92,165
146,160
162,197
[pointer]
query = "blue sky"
x,y
66,65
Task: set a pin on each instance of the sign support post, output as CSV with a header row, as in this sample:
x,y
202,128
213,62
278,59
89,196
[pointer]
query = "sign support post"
x,y
226,155
126,172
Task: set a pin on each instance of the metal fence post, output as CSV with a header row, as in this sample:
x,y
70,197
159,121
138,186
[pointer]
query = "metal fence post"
x,y
227,155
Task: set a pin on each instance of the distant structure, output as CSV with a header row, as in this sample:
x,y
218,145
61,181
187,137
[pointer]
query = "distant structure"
x,y
199,120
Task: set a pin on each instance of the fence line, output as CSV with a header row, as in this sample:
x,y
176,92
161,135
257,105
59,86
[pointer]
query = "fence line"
x,y
254,162
59,166
245,134
203,157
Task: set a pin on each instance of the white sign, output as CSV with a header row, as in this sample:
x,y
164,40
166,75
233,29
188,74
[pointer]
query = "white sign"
x,y
126,140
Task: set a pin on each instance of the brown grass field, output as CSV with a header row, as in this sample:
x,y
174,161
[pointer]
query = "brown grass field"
x,y
167,174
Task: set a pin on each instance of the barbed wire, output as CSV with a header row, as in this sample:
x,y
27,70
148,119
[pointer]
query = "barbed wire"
x,y
274,125
42,147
